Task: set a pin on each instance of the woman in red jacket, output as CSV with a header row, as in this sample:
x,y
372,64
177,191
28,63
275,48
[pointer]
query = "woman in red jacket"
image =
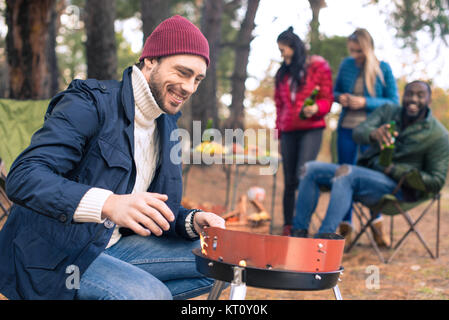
x,y
300,137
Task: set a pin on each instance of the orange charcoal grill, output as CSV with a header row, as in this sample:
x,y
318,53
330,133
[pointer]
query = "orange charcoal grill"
x,y
269,261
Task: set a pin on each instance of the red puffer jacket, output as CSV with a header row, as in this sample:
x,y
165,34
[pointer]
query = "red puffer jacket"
x,y
319,74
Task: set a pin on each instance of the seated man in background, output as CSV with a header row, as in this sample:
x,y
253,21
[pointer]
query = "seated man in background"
x,y
421,142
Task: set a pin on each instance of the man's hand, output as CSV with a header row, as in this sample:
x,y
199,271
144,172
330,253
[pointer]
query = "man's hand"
x,y
309,111
207,219
382,135
142,212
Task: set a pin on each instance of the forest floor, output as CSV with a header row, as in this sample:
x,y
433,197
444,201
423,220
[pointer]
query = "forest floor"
x,y
411,275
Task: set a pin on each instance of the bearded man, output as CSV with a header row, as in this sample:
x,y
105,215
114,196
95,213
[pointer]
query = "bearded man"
x,y
96,194
421,143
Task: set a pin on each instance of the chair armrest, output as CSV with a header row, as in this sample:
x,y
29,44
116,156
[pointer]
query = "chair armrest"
x,y
412,179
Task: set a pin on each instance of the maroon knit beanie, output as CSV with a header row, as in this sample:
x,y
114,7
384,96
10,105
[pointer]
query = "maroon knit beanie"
x,y
176,35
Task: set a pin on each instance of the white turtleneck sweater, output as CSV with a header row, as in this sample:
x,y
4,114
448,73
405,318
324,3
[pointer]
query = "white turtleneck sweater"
x,y
146,154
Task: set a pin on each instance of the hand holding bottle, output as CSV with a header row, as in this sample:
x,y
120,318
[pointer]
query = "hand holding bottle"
x,y
385,135
310,107
309,111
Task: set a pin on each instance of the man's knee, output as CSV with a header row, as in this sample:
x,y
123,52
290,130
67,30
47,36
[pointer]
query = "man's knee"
x,y
153,290
146,288
310,168
342,171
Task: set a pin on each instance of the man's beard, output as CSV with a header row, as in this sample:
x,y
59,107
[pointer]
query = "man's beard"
x,y
156,90
410,119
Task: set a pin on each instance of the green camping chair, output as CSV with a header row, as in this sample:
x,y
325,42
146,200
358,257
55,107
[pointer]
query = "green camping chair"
x,y
5,203
390,205
19,119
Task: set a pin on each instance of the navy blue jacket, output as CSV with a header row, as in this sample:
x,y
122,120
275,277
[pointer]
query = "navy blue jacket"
x,y
87,140
348,73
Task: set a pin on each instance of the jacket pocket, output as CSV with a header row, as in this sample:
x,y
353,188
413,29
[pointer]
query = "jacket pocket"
x,y
39,265
112,156
107,167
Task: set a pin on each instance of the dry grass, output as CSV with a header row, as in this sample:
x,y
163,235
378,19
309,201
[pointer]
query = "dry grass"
x,y
411,275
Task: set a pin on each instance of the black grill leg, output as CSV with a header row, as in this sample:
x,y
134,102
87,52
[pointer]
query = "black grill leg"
x,y
216,290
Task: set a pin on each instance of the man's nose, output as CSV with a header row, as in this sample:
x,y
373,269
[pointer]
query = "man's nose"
x,y
414,98
188,86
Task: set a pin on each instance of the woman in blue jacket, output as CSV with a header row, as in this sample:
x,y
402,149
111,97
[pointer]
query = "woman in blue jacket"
x,y
363,83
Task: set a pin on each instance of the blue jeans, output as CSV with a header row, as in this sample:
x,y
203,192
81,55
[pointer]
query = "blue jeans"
x,y
358,184
348,151
144,268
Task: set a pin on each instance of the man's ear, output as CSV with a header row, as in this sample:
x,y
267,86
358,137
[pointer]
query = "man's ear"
x,y
150,63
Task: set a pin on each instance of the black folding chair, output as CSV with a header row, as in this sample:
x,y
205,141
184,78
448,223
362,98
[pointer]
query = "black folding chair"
x,y
5,203
390,205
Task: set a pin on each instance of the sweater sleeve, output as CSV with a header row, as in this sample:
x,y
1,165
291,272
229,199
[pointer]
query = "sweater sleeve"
x,y
90,207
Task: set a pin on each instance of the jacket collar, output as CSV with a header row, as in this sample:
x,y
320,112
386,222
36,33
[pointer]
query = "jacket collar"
x,y
127,96
127,99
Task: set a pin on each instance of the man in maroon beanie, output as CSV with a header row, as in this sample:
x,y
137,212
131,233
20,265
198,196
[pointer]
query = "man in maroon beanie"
x,y
97,211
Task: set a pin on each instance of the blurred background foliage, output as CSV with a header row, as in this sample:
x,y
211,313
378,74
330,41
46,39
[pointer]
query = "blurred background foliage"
x,y
254,109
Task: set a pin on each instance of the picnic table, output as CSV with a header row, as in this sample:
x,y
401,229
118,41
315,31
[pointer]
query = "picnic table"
x,y
235,167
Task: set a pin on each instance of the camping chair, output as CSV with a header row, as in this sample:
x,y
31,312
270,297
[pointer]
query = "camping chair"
x,y
390,205
5,203
19,119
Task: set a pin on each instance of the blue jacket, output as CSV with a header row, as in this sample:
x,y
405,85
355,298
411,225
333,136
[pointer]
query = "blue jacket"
x,y
348,73
87,140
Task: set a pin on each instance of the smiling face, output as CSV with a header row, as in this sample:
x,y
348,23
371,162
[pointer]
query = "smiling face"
x,y
286,53
173,79
355,51
416,98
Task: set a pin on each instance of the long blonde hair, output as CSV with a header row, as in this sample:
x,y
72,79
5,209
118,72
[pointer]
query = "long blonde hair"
x,y
371,67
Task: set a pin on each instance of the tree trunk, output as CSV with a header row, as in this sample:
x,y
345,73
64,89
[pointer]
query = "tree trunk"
x,y
244,38
316,6
204,101
52,59
153,12
101,49
4,76
27,48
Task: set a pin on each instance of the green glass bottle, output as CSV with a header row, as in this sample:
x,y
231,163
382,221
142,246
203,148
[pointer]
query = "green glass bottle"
x,y
386,154
308,102
206,135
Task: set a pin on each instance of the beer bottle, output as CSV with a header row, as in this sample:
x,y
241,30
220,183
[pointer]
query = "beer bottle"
x,y
386,154
207,136
308,102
